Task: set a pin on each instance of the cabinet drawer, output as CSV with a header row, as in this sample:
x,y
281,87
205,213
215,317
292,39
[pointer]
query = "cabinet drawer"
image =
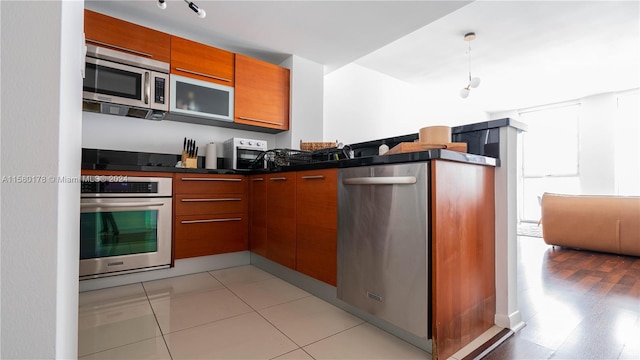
x,y
209,184
198,235
200,204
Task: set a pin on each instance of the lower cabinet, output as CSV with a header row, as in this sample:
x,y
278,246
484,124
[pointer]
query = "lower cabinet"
x,y
317,224
281,218
210,214
258,214
294,220
200,235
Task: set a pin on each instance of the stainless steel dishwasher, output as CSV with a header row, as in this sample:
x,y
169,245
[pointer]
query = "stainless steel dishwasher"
x,y
383,245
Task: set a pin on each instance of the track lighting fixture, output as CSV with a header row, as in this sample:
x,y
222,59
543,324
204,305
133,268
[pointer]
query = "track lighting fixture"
x,y
162,4
473,81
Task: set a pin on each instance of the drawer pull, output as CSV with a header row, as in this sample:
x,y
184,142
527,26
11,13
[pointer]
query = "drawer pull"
x,y
257,179
211,200
278,179
203,74
312,177
209,221
210,179
260,120
120,48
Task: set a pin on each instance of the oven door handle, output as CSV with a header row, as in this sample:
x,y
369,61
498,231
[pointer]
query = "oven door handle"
x,y
124,204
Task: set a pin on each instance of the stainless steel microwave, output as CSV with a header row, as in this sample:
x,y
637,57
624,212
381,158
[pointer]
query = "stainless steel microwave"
x,y
119,83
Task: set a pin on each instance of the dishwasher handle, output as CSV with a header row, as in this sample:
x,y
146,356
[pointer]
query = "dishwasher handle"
x,y
382,180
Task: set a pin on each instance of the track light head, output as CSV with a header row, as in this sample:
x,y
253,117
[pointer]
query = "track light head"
x,y
201,13
162,4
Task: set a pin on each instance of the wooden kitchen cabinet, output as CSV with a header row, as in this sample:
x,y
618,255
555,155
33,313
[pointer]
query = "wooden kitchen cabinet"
x,y
317,224
462,254
281,218
258,214
202,62
261,93
210,214
106,31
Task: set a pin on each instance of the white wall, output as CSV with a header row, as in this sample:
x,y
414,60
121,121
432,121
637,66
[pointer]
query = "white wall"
x,y
40,141
307,83
361,104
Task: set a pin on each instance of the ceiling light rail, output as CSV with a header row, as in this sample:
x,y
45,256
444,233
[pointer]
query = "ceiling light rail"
x,y
162,4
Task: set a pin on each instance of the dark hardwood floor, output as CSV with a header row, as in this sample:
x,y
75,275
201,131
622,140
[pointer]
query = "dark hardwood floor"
x,y
576,305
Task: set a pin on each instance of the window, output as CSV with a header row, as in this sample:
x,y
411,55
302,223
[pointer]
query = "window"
x,y
627,145
550,155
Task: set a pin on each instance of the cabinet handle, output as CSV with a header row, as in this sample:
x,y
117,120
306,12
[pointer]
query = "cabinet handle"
x,y
382,180
147,86
312,177
210,179
203,74
257,179
120,48
211,200
278,179
209,221
260,120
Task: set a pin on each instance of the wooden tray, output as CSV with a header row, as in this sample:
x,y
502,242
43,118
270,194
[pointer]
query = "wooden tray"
x,y
418,146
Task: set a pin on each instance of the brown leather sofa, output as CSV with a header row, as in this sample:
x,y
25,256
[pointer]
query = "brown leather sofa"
x,y
599,223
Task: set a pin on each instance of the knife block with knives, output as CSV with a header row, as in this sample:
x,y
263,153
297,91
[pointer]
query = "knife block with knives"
x,y
189,154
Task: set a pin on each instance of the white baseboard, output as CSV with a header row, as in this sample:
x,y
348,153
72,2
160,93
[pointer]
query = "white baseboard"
x,y
512,321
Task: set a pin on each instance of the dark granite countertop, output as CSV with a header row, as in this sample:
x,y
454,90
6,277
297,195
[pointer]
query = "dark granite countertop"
x,y
482,139
438,154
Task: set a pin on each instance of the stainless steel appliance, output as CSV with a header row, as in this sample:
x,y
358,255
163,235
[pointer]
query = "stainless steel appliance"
x,y
119,83
240,153
125,225
192,97
383,243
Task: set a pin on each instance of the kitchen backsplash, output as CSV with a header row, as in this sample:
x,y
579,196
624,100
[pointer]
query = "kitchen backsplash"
x,y
100,131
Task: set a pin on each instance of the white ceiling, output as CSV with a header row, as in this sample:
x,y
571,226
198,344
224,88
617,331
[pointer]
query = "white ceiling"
x,y
527,53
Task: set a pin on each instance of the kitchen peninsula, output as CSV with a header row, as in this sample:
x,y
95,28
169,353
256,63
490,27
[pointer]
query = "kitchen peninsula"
x,y
460,244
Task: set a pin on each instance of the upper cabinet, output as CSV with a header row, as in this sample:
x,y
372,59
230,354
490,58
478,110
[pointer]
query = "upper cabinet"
x,y
200,61
261,94
102,30
208,85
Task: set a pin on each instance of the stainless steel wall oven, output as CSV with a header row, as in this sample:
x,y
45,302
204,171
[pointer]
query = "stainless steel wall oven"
x,y
125,225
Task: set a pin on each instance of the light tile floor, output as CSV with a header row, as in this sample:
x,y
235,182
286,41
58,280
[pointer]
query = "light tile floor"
x,y
235,313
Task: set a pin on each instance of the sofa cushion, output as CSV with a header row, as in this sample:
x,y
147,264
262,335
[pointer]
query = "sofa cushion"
x,y
599,223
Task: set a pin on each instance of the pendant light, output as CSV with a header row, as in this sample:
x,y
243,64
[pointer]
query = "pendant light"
x,y
473,81
162,4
